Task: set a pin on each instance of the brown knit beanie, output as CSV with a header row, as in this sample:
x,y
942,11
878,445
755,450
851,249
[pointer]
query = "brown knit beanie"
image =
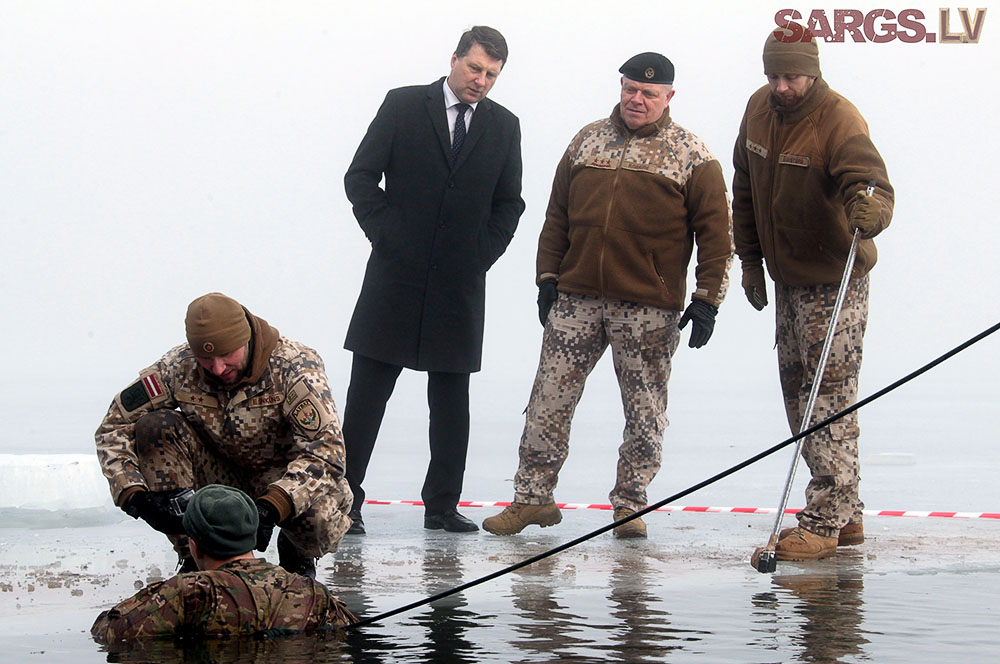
x,y
216,325
791,57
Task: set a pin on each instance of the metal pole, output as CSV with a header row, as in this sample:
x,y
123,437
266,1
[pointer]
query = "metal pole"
x,y
765,559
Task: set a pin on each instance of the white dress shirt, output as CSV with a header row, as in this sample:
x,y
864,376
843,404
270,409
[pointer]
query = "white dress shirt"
x,y
451,100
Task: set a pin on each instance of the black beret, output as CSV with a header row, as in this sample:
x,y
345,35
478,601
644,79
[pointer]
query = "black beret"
x,y
222,521
649,68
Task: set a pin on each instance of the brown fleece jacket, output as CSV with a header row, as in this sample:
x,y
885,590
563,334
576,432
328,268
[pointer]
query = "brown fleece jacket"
x,y
797,174
626,210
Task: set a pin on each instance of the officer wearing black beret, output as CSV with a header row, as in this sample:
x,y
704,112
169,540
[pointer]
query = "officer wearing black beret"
x,y
632,196
649,68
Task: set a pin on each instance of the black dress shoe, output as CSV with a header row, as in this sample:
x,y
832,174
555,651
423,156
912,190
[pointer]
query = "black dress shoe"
x,y
357,523
451,521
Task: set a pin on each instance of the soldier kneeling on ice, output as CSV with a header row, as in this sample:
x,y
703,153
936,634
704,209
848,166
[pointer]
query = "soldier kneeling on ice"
x,y
233,593
239,405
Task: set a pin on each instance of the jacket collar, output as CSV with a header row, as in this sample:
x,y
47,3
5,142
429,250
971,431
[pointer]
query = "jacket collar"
x,y
646,129
815,96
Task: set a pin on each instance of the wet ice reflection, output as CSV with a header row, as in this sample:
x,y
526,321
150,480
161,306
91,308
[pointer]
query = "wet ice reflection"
x,y
817,615
916,589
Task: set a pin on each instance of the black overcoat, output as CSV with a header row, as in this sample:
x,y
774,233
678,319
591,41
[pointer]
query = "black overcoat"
x,y
434,230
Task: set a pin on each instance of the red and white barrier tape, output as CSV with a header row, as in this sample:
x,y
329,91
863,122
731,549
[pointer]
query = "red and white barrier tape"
x,y
686,508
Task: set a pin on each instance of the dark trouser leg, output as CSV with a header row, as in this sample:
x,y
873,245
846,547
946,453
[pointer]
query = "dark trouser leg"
x,y
448,399
371,386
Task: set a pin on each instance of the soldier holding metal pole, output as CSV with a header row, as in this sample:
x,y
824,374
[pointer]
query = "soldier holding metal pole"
x,y
803,161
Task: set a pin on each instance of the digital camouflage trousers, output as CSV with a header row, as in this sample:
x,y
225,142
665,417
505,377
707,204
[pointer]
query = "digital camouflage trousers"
x,y
802,319
173,456
579,329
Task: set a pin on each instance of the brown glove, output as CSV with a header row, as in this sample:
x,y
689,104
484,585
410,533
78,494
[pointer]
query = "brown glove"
x,y
753,284
865,214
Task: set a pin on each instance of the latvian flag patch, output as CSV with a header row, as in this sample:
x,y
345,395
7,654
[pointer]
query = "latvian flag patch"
x,y
152,385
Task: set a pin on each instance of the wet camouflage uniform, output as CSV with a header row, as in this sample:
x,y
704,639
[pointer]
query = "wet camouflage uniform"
x,y
625,212
243,596
276,435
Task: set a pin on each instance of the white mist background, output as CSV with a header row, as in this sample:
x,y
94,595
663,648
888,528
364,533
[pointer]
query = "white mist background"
x,y
153,151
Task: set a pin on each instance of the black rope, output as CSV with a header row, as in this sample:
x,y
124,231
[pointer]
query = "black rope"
x,y
701,485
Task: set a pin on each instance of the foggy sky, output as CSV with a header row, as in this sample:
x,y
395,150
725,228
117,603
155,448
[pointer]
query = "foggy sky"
x,y
151,152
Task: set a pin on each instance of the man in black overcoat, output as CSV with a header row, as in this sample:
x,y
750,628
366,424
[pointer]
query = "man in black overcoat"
x,y
447,210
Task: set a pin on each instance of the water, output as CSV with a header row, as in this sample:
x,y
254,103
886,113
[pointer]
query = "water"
x,y
918,589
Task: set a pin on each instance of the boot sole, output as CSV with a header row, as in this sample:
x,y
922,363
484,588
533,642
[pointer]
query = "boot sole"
x,y
631,535
779,555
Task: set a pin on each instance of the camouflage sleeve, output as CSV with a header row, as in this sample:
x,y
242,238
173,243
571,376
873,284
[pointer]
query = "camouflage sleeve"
x,y
337,613
115,436
318,469
156,610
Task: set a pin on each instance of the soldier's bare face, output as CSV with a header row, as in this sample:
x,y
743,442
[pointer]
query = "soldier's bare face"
x,y
789,89
229,367
643,103
473,75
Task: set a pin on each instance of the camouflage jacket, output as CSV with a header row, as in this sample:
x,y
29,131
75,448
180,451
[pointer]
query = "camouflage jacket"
x,y
281,415
244,596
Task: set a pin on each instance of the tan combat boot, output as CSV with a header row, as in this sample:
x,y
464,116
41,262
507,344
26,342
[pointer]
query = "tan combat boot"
x,y
851,534
634,528
516,516
801,544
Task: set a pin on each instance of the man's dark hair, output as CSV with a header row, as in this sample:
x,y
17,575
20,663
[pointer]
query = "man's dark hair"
x,y
489,39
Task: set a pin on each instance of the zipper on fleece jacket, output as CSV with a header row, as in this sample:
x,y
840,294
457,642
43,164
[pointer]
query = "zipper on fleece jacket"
x,y
607,215
772,157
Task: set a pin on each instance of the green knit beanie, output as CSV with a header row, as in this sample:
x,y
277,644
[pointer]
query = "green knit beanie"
x,y
222,521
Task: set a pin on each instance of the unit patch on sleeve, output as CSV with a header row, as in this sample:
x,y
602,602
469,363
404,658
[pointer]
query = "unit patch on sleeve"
x,y
306,409
306,415
133,397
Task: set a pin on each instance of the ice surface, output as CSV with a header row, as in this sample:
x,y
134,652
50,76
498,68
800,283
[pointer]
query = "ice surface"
x,y
52,482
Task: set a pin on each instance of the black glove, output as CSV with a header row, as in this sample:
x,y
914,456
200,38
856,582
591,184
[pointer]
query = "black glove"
x,y
703,315
155,509
267,516
547,295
